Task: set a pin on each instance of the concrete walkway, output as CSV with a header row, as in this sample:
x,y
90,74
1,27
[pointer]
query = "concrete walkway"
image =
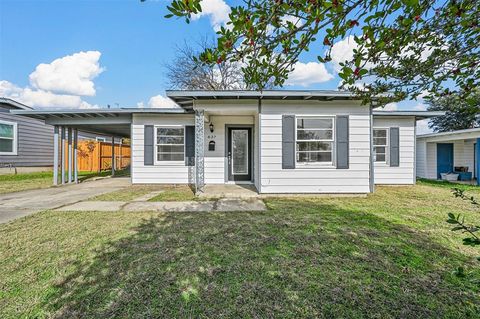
x,y
19,204
221,205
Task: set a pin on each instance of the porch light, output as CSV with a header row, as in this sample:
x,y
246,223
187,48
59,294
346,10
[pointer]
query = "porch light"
x,y
211,127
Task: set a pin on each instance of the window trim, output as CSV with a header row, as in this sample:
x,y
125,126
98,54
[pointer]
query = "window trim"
x,y
14,139
387,146
155,144
330,164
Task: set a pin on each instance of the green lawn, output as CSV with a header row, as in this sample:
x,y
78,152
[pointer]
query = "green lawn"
x,y
10,183
389,255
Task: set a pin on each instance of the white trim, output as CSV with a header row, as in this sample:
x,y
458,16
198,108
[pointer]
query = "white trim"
x,y
14,139
387,147
170,163
330,164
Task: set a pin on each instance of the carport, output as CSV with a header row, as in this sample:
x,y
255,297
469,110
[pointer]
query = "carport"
x,y
113,122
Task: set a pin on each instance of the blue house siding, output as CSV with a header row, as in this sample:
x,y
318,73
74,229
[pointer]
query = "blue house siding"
x,y
34,142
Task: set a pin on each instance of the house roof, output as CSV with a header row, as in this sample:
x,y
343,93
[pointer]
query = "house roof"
x,y
185,98
14,104
419,115
471,131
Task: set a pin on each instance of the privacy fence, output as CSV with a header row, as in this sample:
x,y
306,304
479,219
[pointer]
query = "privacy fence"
x,y
93,156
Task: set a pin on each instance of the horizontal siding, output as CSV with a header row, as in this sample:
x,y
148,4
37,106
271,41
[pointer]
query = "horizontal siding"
x,y
34,143
156,174
405,172
167,173
432,160
316,179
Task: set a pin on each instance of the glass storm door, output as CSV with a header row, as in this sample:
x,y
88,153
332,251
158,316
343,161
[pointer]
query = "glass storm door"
x,y
239,154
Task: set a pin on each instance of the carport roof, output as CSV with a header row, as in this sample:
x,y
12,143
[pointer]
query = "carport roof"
x,y
114,122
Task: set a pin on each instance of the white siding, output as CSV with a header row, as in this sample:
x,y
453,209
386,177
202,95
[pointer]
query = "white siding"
x,y
156,174
215,161
274,179
179,173
431,167
421,158
404,174
463,155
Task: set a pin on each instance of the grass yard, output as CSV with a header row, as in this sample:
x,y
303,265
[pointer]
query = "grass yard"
x,y
10,183
25,181
389,255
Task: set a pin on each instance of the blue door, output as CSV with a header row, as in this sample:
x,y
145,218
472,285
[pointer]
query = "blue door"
x,y
444,158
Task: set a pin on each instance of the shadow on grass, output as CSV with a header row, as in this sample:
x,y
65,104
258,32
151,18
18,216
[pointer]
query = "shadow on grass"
x,y
300,259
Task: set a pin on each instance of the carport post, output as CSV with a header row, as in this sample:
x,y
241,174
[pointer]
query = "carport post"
x,y
63,150
70,155
55,155
75,160
113,156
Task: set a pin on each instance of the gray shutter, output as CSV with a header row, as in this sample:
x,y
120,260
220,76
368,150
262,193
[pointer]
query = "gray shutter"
x,y
148,137
394,147
342,141
288,141
190,145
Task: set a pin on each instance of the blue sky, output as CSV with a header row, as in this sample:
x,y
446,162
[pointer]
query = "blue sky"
x,y
133,42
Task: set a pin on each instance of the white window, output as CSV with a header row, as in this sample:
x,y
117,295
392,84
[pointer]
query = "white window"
x,y
170,143
315,140
8,138
100,139
380,145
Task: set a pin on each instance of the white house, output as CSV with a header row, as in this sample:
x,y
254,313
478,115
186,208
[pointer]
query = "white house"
x,y
449,152
280,141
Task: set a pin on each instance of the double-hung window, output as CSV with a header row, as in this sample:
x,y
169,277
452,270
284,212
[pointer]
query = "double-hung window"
x,y
315,140
8,138
170,143
380,145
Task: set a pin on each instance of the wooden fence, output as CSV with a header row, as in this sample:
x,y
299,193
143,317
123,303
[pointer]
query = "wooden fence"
x,y
93,156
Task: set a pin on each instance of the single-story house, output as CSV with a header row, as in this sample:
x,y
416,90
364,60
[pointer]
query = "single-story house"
x,y
449,152
26,144
280,141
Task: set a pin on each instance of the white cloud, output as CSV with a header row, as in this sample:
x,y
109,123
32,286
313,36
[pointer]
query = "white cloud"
x,y
422,127
71,74
342,51
388,107
40,98
160,102
309,73
217,10
420,107
59,84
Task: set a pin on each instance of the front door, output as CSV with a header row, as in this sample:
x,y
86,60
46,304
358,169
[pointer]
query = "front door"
x,y
444,158
239,153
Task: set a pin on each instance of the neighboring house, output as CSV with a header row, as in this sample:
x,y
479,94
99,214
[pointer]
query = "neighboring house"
x,y
24,142
280,141
449,152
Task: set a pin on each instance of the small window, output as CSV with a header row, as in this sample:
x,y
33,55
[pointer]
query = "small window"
x,y
170,144
100,139
314,140
8,138
380,145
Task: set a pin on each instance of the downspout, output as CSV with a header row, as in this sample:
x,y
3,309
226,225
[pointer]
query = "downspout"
x,y
372,168
259,182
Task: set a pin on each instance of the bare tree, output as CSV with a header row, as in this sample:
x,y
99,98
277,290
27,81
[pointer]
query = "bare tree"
x,y
185,72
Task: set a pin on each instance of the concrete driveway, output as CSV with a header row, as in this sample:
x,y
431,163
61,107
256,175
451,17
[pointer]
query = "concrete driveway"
x,y
19,204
